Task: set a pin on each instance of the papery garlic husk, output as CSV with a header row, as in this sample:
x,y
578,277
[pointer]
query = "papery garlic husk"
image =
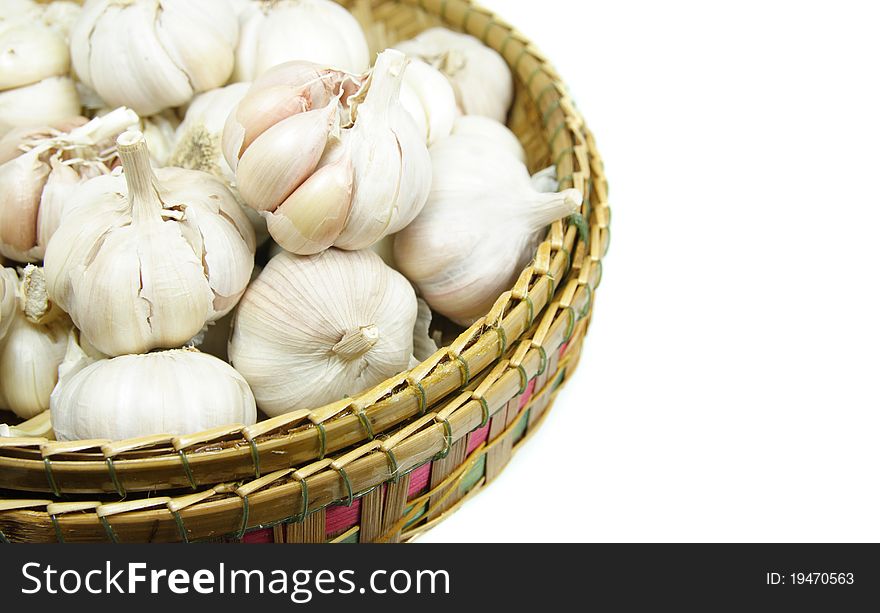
x,y
143,260
545,180
160,132
150,55
481,79
9,287
479,229
36,184
198,143
319,185
429,98
31,351
277,31
181,391
484,128
313,329
39,426
424,346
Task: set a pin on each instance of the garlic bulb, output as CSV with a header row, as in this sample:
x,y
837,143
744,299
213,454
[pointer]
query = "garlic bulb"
x,y
34,62
160,133
429,99
479,229
198,143
489,129
481,79
278,31
32,348
9,284
180,391
142,260
153,54
316,184
312,329
36,183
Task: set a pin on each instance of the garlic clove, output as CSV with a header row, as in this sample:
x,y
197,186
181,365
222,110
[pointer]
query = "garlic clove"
x,y
62,179
265,175
23,179
313,216
429,98
9,284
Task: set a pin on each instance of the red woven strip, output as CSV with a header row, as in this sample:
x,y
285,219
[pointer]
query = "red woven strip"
x,y
562,349
341,518
259,536
477,438
418,480
527,395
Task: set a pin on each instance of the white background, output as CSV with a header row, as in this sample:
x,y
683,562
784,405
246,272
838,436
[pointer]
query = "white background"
x,y
729,386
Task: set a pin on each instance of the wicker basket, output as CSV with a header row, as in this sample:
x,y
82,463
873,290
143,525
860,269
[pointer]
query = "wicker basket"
x,y
390,462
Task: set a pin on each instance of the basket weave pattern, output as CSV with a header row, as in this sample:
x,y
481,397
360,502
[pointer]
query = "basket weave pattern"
x,y
388,463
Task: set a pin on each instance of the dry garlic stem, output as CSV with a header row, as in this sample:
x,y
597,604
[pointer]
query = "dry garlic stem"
x,y
142,260
154,54
479,229
39,169
312,329
180,391
278,31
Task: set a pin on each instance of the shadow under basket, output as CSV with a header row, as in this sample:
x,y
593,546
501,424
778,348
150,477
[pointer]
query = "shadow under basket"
x,y
391,462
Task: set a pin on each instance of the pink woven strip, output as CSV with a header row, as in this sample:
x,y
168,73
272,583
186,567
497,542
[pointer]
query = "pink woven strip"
x,y
527,395
341,518
477,438
563,349
418,480
259,536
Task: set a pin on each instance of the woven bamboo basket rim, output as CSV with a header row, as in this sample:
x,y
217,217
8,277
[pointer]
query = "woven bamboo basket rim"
x,y
554,292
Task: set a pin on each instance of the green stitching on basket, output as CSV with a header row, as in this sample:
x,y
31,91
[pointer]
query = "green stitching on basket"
x,y
580,223
365,424
543,353
111,468
523,379
245,515
547,88
180,527
532,76
551,289
550,110
567,257
347,482
322,437
422,397
58,536
531,305
466,18
444,4
587,302
519,58
3,538
572,318
111,533
304,489
565,152
465,370
392,462
556,133
50,477
447,438
186,469
506,40
502,338
255,456
485,407
485,34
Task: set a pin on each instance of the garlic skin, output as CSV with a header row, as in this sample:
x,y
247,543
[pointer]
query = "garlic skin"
x,y
479,229
143,260
277,31
160,133
429,98
488,129
423,345
180,391
313,329
319,184
43,166
481,79
32,348
198,143
9,284
150,55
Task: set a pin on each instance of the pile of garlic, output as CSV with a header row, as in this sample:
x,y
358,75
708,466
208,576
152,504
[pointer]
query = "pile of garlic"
x,y
149,147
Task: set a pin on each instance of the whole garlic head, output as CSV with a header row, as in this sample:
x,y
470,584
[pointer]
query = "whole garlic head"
x,y
479,229
313,329
142,260
153,54
180,391
39,168
277,31
481,79
484,128
34,62
429,98
32,347
318,184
